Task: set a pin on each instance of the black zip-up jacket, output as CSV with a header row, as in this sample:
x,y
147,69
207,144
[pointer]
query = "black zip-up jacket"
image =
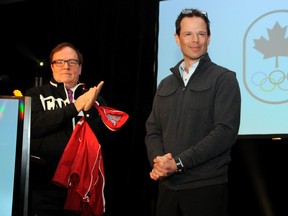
x,y
52,120
198,123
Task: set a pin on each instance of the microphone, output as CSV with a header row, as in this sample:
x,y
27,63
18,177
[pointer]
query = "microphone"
x,y
4,78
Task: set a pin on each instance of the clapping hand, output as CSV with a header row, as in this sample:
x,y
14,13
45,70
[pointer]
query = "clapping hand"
x,y
87,100
92,95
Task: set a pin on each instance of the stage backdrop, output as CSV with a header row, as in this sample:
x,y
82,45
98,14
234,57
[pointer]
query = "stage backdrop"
x,y
250,38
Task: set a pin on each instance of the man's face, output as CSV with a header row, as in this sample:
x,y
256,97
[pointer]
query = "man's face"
x,y
68,74
193,39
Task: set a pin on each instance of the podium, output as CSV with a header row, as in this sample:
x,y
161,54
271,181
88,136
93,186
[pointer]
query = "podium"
x,y
15,119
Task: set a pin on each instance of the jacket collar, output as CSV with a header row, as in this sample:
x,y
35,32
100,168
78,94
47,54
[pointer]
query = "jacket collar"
x,y
56,84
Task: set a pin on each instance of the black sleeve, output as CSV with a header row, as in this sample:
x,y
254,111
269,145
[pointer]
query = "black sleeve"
x,y
47,121
94,120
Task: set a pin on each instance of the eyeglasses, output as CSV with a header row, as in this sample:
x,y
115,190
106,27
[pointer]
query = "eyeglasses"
x,y
188,11
61,62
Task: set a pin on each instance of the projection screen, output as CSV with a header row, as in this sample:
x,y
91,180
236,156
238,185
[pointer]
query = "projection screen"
x,y
250,38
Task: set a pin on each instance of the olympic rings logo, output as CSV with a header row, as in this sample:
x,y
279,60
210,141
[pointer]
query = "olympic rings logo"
x,y
272,81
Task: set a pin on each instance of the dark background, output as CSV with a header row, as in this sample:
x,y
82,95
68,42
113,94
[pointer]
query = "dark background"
x,y
119,42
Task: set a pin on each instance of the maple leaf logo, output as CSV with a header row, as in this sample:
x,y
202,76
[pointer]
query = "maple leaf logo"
x,y
276,46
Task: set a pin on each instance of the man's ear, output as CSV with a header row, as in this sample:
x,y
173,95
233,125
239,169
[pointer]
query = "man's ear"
x,y
208,41
80,69
177,39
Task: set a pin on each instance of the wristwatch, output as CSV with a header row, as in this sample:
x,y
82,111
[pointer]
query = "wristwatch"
x,y
179,164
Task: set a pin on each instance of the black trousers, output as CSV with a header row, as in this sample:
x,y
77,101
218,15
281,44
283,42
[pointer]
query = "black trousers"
x,y
49,202
204,201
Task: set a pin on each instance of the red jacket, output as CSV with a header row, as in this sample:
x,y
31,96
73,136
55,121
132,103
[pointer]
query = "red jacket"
x,y
81,167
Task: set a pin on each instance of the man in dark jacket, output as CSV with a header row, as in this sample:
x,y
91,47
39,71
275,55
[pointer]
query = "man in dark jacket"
x,y
193,125
54,116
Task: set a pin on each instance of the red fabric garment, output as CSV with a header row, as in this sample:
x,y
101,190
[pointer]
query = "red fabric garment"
x,y
81,170
112,118
81,167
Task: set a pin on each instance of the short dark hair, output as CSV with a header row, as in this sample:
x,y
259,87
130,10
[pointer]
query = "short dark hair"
x,y
189,12
66,44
